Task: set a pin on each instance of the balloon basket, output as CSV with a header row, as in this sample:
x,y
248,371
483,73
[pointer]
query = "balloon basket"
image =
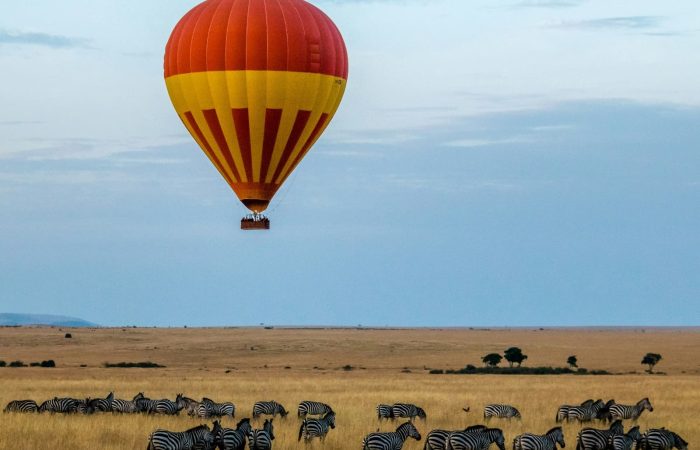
x,y
255,222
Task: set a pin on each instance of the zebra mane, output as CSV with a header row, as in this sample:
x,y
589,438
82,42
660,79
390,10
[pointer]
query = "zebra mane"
x,y
197,428
553,430
405,425
242,421
678,441
476,427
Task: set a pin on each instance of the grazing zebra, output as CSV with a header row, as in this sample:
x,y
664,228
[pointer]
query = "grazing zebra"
x,y
595,439
169,407
384,412
633,412
549,441
311,428
437,439
144,404
60,405
21,406
102,404
199,436
625,441
586,413
476,440
501,411
309,408
563,411
272,408
229,439
604,412
85,406
261,439
220,409
407,410
393,440
124,406
661,439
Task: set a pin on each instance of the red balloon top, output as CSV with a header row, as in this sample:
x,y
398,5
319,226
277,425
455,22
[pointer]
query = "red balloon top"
x,y
284,35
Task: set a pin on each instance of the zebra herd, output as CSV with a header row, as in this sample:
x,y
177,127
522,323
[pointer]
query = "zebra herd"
x,y
318,418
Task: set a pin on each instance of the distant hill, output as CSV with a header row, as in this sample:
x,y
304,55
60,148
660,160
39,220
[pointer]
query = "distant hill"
x,y
9,319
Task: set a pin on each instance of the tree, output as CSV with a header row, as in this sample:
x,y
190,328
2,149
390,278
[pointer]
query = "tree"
x,y
572,361
514,355
651,359
492,359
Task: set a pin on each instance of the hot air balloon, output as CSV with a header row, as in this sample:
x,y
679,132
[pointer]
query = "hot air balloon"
x,y
255,82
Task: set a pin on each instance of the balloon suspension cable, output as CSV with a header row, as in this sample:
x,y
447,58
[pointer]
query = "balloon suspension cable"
x,y
255,221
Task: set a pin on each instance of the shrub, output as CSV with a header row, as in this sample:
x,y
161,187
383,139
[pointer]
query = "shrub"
x,y
130,365
48,363
17,364
347,367
68,336
2,363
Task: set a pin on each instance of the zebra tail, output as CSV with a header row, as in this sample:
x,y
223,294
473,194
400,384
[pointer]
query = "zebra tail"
x,y
301,430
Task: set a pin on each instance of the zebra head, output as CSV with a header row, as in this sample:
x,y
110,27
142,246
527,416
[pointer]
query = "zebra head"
x,y
558,435
283,412
409,430
496,435
617,427
180,401
679,442
646,404
330,419
634,433
588,402
138,396
243,426
421,412
267,426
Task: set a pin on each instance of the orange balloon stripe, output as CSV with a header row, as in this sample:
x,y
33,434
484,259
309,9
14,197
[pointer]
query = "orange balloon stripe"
x,y
215,128
272,125
207,147
242,124
320,126
298,128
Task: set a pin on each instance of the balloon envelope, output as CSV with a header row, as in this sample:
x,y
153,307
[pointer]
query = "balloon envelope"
x,y
255,82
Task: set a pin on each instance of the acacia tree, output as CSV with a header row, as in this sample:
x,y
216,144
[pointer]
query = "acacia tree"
x,y
492,359
572,361
514,355
651,359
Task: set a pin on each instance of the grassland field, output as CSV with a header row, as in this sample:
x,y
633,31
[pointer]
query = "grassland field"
x,y
244,365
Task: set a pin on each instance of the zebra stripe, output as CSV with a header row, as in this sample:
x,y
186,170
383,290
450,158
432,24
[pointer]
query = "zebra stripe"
x,y
229,439
595,439
549,441
261,439
588,413
102,404
85,407
501,411
270,408
625,441
476,440
220,409
144,404
393,440
660,439
123,406
60,405
407,410
384,412
21,406
563,411
633,412
185,440
437,439
307,408
168,407
311,428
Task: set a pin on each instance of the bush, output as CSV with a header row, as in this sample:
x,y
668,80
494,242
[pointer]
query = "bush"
x,y
68,336
35,364
2,363
436,371
48,363
130,365
470,369
17,364
347,367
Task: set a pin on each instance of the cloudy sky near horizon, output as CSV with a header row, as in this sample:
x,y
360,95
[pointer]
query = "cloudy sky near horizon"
x,y
494,162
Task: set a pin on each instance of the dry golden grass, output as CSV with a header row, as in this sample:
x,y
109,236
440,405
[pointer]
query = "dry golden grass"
x,y
197,361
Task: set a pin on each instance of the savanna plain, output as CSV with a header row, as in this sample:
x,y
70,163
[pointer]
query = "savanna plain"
x,y
351,369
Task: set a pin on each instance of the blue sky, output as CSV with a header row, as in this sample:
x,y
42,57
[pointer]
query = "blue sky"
x,y
494,163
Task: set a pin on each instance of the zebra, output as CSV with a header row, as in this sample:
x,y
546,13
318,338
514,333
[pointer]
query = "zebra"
x,y
625,441
436,439
309,408
220,409
230,439
123,406
85,406
586,413
501,411
549,441
60,405
407,410
661,439
476,440
144,404
604,412
595,439
633,412
169,407
563,411
102,404
384,412
311,428
272,408
261,439
184,440
393,440
21,406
